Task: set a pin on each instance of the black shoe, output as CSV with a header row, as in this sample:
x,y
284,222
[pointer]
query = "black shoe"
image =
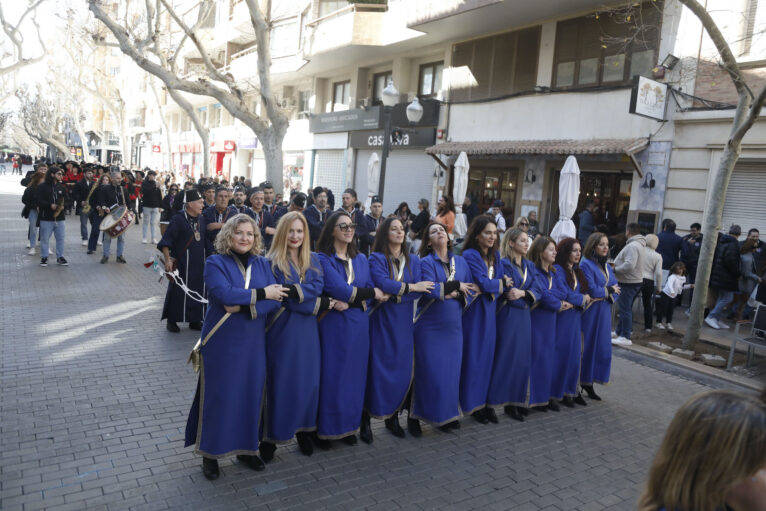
x,y
210,469
568,402
365,431
490,414
104,260
454,425
522,411
173,327
121,259
43,261
90,252
543,408
513,413
267,450
445,428
350,440
591,393
304,443
480,416
392,424
553,406
62,262
580,400
195,325
321,442
252,461
413,426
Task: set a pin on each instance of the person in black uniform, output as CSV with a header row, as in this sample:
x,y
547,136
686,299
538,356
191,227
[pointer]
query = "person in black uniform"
x,y
317,214
111,197
82,189
216,216
373,219
50,197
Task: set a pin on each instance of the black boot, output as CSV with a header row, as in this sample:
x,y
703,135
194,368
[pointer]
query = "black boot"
x,y
568,402
580,400
173,327
490,414
365,431
350,440
392,424
321,442
522,411
591,393
304,443
210,469
252,461
513,413
413,426
480,416
553,406
267,450
195,325
542,408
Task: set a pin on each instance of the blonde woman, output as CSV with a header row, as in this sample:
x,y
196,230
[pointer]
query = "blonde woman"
x,y
225,416
713,457
292,339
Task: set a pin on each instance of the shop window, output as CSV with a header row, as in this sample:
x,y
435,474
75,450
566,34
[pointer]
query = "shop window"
x,y
607,48
379,82
340,96
430,79
495,66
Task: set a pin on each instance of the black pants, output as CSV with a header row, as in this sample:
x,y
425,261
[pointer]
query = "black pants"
x,y
647,292
665,308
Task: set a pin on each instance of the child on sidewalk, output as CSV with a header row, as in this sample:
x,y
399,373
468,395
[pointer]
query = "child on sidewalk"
x,y
674,286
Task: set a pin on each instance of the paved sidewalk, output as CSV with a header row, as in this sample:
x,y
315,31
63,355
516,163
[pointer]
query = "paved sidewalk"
x,y
95,394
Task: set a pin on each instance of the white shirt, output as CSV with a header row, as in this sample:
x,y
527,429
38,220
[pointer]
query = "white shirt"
x,y
674,285
500,221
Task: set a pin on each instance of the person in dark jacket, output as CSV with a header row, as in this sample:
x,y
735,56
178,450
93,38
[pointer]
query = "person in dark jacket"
x,y
168,207
81,192
373,219
152,200
317,213
760,247
50,197
29,199
110,197
421,220
690,250
470,210
724,276
670,244
586,227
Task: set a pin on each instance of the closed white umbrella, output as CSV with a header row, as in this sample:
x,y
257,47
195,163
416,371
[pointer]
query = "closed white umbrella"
x,y
458,194
373,179
569,192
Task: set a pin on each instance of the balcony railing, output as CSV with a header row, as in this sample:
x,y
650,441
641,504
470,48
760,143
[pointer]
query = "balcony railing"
x,y
349,8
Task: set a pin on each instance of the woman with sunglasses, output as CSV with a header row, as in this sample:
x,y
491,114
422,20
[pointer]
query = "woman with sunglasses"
x,y
168,208
343,331
439,331
392,333
479,323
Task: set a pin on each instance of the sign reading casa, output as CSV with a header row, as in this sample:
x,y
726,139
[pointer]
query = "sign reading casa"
x,y
409,137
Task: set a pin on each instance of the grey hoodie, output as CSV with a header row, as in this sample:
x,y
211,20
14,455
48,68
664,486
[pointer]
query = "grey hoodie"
x,y
629,262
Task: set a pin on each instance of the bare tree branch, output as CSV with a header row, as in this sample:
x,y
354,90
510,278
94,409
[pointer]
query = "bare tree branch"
x,y
15,35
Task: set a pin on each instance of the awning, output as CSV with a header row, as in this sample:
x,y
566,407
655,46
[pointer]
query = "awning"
x,y
628,146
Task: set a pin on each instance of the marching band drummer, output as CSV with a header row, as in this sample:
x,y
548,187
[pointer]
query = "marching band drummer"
x,y
392,333
292,339
509,385
343,331
439,331
570,279
225,415
183,248
111,196
597,319
543,255
479,323
95,216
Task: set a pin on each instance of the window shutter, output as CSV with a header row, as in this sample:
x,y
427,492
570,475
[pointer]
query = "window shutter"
x,y
461,64
744,197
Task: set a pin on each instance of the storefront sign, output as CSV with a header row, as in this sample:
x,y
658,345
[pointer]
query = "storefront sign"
x,y
156,149
648,98
189,147
222,146
404,137
247,143
348,120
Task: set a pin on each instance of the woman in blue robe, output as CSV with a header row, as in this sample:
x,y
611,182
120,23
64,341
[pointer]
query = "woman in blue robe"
x,y
543,254
570,280
183,247
392,332
343,331
509,384
483,258
292,340
597,319
225,416
439,331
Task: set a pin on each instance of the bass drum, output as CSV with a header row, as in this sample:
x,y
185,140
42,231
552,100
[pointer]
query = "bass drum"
x,y
117,222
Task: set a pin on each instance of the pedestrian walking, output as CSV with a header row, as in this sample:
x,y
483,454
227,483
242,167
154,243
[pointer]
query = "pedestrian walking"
x,y
651,271
724,276
628,267
82,192
152,205
50,197
586,225
29,199
675,284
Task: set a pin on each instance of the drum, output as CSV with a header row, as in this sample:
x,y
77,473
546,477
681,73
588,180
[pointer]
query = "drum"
x,y
117,222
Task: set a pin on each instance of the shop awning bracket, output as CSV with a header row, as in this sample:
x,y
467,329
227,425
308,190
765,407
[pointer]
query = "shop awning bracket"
x,y
441,163
636,165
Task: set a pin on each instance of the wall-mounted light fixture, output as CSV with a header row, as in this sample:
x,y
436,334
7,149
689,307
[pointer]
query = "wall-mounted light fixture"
x,y
670,61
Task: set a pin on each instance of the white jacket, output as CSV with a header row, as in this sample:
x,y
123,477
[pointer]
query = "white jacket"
x,y
675,285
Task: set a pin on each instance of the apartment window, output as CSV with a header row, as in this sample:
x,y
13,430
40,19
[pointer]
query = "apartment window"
x,y
379,82
304,104
430,79
114,71
328,6
340,96
285,39
607,49
494,66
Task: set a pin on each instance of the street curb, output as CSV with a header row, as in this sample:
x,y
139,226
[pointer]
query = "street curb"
x,y
694,367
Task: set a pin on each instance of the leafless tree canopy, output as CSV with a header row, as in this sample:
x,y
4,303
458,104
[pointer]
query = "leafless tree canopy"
x,y
41,119
12,41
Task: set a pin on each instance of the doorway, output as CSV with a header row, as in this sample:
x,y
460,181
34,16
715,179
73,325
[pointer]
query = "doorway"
x,y
487,184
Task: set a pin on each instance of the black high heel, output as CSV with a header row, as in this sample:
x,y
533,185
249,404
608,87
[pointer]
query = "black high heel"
x,y
513,413
413,426
304,443
490,414
591,393
580,400
267,450
392,424
568,402
365,431
210,469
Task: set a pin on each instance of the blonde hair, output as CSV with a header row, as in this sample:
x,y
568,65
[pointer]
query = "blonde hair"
x,y
716,440
510,236
223,239
652,241
279,254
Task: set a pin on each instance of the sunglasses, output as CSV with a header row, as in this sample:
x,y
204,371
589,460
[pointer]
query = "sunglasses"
x,y
524,223
346,227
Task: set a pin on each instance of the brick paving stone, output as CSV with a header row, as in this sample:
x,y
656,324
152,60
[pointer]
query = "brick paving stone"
x,y
95,395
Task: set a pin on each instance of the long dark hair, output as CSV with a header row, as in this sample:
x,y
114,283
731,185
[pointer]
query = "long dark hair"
x,y
563,252
381,244
402,206
472,236
53,169
449,205
425,248
326,242
537,249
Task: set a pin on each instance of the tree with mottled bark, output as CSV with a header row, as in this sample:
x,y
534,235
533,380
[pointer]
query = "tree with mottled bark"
x,y
149,47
